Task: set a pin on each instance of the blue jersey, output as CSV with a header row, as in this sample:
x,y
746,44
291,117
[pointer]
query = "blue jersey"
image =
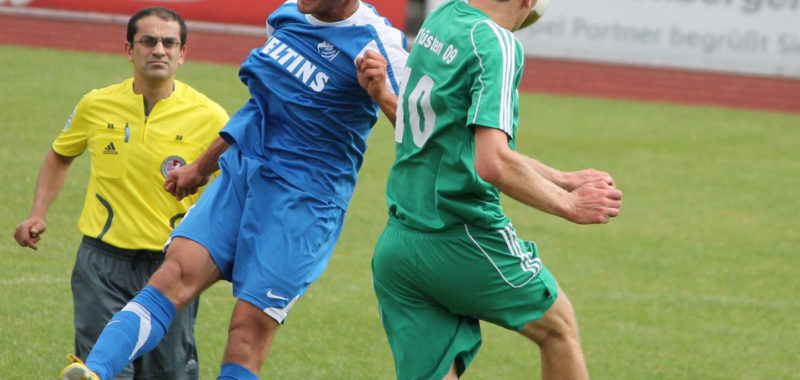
x,y
308,118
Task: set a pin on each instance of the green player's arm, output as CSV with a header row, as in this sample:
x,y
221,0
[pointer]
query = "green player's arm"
x,y
569,180
510,172
514,175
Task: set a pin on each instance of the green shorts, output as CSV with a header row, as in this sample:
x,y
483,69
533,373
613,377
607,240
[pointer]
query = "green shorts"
x,y
433,288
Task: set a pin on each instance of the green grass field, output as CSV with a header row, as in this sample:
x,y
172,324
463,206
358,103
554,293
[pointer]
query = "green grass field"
x,y
697,278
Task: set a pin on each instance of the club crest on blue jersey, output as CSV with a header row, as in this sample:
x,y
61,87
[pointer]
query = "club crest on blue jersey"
x,y
327,51
171,163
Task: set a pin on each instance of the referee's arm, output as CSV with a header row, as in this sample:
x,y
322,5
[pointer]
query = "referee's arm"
x,y
51,178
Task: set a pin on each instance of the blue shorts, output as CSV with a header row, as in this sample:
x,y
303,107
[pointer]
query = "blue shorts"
x,y
268,237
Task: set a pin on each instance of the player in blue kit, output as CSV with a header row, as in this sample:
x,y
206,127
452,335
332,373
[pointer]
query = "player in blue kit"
x,y
288,160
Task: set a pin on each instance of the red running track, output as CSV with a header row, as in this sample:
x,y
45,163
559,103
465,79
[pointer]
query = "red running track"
x,y
541,75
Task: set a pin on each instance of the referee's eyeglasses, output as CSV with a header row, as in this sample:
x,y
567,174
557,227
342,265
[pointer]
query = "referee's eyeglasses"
x,y
151,42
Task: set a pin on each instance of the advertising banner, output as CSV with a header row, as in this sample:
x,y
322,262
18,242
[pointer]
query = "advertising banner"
x,y
246,12
742,36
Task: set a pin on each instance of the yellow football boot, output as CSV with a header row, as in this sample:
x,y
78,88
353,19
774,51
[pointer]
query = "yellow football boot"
x,y
76,370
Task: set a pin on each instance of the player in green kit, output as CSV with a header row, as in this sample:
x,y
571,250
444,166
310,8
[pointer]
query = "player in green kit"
x,y
449,257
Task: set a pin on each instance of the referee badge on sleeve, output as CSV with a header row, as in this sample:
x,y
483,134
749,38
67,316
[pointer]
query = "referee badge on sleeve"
x,y
69,119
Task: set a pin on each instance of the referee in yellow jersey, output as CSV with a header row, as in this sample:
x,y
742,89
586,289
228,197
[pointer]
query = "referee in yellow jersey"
x,y
136,132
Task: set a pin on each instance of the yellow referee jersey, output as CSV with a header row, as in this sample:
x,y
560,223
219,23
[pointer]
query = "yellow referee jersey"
x,y
126,205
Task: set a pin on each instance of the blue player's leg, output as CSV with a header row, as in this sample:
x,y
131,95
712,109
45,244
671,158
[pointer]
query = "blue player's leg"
x,y
286,238
131,332
249,339
233,371
187,270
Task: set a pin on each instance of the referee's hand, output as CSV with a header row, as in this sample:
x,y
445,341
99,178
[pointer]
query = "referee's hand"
x,y
29,232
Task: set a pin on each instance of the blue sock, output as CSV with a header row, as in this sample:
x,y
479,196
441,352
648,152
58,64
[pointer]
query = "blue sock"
x,y
131,332
233,371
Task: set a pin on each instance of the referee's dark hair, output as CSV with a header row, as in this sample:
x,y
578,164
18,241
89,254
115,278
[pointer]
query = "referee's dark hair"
x,y
162,13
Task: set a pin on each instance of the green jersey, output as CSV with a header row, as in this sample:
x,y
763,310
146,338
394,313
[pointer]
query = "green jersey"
x,y
463,71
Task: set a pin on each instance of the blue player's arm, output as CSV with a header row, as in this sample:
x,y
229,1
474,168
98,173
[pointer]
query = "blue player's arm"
x,y
372,76
186,180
